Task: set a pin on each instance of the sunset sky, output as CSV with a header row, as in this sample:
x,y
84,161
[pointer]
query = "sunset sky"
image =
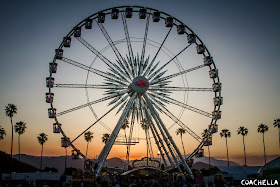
x,y
242,36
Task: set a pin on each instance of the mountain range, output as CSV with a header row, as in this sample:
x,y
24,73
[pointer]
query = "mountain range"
x,y
59,162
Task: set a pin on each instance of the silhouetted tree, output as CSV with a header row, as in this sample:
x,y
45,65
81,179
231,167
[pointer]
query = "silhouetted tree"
x,y
145,126
20,129
42,138
181,131
105,137
88,137
262,128
243,131
226,133
2,133
277,124
10,110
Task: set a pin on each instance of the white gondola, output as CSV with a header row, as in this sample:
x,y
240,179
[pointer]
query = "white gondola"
x,y
65,142
75,155
208,60
56,128
52,67
209,142
128,12
191,38
200,153
101,17
49,82
142,13
180,29
88,24
156,16
52,112
66,41
49,97
58,53
218,101
216,114
169,22
213,73
88,165
215,129
115,13
217,87
77,31
200,49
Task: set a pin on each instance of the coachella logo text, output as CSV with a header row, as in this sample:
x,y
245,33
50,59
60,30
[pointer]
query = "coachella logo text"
x,y
259,182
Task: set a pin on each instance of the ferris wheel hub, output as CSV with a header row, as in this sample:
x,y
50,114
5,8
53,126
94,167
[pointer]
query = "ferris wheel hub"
x,y
140,84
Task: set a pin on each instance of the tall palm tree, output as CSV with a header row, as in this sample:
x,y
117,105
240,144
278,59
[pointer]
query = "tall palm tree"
x,y
105,137
243,131
2,133
124,126
226,133
42,138
277,124
88,137
180,132
145,126
20,129
10,110
262,128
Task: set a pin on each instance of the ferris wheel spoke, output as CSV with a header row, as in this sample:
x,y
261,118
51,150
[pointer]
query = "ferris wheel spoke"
x,y
191,108
176,74
92,102
113,46
156,72
170,88
144,46
180,123
130,51
161,125
95,71
99,86
106,149
117,70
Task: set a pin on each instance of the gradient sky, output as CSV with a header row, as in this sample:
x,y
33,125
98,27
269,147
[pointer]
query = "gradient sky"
x,y
242,36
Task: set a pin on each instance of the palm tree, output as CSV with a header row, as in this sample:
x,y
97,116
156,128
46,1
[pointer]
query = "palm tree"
x,y
262,128
2,133
105,137
277,124
124,126
226,133
243,131
145,126
20,129
180,132
88,137
10,110
42,138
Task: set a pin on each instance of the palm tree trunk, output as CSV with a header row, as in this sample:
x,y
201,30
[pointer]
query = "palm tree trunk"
x,y
65,159
227,152
244,151
41,157
87,148
19,146
183,147
264,150
147,148
12,138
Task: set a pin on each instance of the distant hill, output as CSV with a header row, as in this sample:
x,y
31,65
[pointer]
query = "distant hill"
x,y
5,164
59,162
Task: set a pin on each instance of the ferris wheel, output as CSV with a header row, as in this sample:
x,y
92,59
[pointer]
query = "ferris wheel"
x,y
135,64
